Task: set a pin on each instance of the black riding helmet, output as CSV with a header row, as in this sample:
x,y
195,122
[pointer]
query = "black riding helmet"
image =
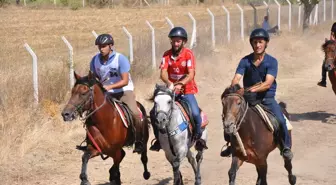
x,y
259,33
178,32
104,39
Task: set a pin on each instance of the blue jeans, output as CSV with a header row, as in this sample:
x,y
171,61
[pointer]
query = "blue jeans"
x,y
275,108
190,98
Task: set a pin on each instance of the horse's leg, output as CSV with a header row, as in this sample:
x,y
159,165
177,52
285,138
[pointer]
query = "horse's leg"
x,y
199,159
192,161
144,160
114,170
262,173
177,174
291,177
258,179
88,154
235,164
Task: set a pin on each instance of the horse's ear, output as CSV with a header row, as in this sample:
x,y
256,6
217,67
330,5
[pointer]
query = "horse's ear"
x,y
76,76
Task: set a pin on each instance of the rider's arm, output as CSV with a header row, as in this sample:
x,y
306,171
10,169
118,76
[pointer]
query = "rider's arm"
x,y
236,79
265,85
124,68
240,71
92,68
164,72
272,72
191,68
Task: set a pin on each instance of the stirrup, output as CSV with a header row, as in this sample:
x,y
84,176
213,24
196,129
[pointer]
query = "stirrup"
x,y
227,153
80,147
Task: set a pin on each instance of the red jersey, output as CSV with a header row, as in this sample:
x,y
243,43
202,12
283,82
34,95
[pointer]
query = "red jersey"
x,y
178,67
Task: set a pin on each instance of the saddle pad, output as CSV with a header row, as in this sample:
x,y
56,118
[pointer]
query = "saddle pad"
x,y
123,116
267,120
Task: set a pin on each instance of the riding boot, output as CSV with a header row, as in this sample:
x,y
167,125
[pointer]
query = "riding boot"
x,y
285,145
226,152
156,146
138,144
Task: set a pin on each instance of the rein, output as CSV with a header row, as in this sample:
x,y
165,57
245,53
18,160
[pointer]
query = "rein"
x,y
91,112
237,126
169,115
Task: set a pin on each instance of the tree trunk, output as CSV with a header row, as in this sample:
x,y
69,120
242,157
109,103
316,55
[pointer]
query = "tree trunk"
x,y
308,8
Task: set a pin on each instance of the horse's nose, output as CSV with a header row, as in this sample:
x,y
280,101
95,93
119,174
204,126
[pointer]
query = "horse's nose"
x,y
162,118
66,116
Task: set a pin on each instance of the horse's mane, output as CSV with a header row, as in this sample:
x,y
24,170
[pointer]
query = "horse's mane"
x,y
231,89
90,80
326,43
159,88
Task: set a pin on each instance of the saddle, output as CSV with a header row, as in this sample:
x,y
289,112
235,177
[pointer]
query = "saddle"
x,y
269,118
187,113
124,111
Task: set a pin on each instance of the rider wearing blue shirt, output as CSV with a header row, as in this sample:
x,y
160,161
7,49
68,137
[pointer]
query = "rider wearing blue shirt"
x,y
113,70
261,68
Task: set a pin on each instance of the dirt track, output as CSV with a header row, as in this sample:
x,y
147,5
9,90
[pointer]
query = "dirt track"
x,y
310,106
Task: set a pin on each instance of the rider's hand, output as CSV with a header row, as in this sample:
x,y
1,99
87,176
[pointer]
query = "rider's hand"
x,y
171,86
106,87
178,87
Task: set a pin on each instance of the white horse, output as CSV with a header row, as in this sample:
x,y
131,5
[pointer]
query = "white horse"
x,y
174,135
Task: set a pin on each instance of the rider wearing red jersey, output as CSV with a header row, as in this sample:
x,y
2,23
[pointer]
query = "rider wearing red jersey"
x,y
178,72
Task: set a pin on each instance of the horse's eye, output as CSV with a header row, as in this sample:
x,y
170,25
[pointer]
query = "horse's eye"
x,y
169,102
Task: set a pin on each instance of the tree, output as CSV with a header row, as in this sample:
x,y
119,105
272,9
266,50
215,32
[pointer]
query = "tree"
x,y
308,8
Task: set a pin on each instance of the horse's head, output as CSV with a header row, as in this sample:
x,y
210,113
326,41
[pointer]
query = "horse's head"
x,y
163,99
233,107
81,97
329,49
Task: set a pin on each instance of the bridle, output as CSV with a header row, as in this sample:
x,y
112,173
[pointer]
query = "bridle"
x,y
243,106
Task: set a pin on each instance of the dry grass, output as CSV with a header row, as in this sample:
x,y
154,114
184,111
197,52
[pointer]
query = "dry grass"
x,y
30,134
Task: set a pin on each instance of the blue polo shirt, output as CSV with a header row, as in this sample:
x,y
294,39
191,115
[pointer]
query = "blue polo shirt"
x,y
253,74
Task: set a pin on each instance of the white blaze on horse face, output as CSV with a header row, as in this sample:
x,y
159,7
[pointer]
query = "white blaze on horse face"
x,y
163,103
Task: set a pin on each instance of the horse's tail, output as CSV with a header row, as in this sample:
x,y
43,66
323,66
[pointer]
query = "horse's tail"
x,y
283,106
145,117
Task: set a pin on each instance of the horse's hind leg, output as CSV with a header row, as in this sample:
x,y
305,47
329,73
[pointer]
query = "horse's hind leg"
x,y
114,170
235,164
144,160
192,161
85,159
291,177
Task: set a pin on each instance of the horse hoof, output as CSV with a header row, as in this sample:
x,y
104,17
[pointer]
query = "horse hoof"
x,y
198,182
85,183
292,179
146,175
115,182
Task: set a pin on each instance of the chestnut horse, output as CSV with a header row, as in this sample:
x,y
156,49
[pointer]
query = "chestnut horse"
x,y
256,138
106,132
329,49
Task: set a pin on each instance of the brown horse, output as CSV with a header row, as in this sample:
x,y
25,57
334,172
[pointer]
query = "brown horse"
x,y
329,49
106,132
256,138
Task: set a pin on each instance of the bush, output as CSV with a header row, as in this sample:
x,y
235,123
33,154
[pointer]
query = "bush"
x,y
75,4
3,2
